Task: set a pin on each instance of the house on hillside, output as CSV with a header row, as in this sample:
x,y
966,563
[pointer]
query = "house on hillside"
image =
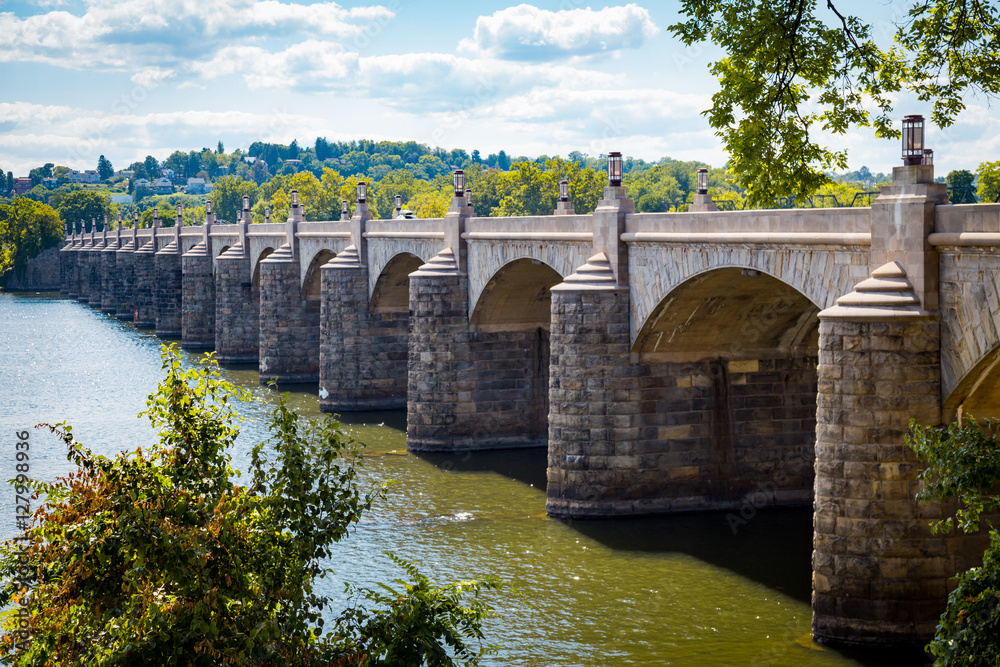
x,y
88,176
22,185
197,186
50,182
163,186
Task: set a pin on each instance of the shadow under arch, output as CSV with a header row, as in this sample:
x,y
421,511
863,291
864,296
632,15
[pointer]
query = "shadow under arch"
x,y
978,392
255,279
518,297
311,284
727,385
392,289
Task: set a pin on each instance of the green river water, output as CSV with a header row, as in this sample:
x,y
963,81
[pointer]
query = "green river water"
x,y
676,590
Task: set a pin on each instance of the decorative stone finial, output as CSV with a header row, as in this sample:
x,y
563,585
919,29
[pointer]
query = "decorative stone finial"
x,y
596,274
887,295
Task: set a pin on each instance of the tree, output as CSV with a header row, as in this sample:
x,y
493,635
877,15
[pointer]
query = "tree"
x,y
38,173
787,70
963,462
220,149
85,205
989,182
158,557
152,168
26,228
10,181
227,197
962,190
104,168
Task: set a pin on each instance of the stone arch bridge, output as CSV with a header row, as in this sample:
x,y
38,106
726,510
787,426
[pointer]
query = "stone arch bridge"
x,y
670,362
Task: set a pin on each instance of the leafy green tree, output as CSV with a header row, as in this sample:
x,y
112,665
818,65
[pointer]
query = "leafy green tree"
x,y
653,190
85,205
963,462
788,70
158,557
220,149
10,181
152,168
960,182
989,182
38,173
227,196
260,172
104,168
27,227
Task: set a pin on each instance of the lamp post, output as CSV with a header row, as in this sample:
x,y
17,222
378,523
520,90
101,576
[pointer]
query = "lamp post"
x,y
564,190
295,198
703,181
913,140
344,214
362,192
399,204
468,196
928,156
459,179
614,169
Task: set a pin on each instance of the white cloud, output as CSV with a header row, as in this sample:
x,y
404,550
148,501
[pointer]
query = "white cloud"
x,y
152,76
114,35
526,32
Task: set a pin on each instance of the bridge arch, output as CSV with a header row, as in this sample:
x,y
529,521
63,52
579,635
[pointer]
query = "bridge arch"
x,y
311,280
727,368
517,297
820,274
392,287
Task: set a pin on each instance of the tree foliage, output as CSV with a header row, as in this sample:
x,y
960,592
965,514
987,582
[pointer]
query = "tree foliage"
x,y
85,206
988,190
962,190
158,557
27,227
789,69
963,462
227,197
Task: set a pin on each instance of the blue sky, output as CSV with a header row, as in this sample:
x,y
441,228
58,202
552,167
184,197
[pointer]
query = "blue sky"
x,y
81,78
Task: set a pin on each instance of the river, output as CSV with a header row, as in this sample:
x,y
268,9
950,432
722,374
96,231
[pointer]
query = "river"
x,y
676,590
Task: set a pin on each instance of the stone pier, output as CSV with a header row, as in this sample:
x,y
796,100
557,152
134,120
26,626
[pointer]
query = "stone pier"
x,y
109,269
144,270
125,277
198,298
237,304
169,290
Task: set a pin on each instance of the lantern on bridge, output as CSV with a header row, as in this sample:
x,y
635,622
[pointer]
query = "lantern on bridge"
x,y
362,192
913,140
295,198
928,156
246,202
135,220
468,196
459,178
614,169
563,190
343,209
703,181
399,203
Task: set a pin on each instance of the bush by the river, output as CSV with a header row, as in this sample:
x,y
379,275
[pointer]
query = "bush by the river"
x,y
157,557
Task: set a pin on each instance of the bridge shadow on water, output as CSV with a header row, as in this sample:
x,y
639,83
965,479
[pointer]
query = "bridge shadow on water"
x,y
522,465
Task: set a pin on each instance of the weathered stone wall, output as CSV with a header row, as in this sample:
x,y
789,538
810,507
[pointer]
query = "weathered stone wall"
x,y
594,421
362,354
878,574
169,293
109,271
83,274
43,273
124,283
197,301
970,317
719,434
289,324
237,311
470,390
94,278
144,293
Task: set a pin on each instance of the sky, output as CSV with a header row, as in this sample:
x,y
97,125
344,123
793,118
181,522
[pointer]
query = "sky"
x,y
83,78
